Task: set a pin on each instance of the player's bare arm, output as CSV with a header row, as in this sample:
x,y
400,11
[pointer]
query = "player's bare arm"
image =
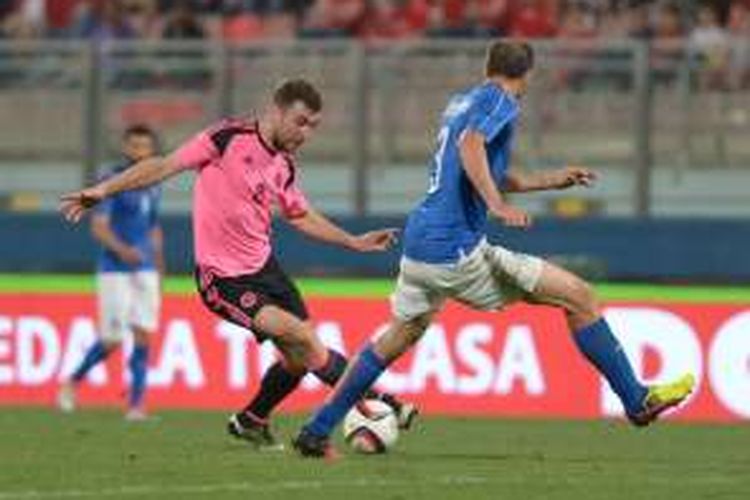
x,y
316,225
520,181
102,232
144,173
474,161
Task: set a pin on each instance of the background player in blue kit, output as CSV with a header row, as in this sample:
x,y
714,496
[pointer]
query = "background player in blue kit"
x,y
129,269
446,254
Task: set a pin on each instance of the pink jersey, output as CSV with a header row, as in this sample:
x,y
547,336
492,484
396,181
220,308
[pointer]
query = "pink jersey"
x,y
239,179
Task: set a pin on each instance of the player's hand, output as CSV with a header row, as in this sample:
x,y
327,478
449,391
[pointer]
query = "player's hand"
x,y
375,241
74,205
575,176
512,216
129,255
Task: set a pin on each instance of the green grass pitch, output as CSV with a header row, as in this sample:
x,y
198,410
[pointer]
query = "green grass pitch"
x,y
186,455
380,288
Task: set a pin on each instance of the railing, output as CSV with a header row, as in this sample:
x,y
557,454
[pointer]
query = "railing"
x,y
626,106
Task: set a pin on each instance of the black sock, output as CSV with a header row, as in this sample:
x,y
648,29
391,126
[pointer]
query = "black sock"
x,y
331,372
333,369
277,384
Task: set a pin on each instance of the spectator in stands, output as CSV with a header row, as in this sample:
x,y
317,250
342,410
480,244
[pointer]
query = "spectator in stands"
x,y
386,19
334,18
577,22
493,17
61,15
450,18
193,71
668,43
143,17
104,20
638,22
668,26
613,23
24,19
739,26
532,19
709,42
240,21
6,7
282,18
16,27
200,6
182,23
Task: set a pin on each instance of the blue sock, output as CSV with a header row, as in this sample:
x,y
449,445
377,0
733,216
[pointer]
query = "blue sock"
x,y
138,366
363,373
602,349
94,355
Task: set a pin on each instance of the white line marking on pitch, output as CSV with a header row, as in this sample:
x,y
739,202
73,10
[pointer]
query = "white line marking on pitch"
x,y
232,487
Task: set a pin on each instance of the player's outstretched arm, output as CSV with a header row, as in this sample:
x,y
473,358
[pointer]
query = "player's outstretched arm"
x,y
144,173
474,160
316,225
521,181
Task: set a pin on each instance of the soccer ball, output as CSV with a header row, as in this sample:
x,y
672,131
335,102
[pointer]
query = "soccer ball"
x,y
371,427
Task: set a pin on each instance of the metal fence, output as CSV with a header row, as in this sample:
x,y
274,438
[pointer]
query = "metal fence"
x,y
656,118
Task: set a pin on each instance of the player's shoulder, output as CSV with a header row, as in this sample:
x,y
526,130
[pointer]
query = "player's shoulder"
x,y
494,99
224,130
232,123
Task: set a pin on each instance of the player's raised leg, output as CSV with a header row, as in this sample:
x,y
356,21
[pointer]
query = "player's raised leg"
x,y
595,340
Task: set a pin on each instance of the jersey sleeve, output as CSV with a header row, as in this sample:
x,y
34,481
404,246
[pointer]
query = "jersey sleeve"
x,y
292,200
197,152
490,114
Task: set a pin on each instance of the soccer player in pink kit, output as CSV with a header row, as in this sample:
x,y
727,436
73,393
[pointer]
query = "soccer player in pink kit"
x,y
243,168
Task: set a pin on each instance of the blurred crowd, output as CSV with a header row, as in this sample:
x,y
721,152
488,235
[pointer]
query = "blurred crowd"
x,y
714,33
706,23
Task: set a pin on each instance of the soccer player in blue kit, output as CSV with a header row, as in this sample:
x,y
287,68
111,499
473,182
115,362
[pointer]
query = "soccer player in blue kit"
x,y
446,254
129,270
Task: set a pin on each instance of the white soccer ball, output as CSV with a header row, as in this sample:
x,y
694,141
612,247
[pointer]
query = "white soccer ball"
x,y
371,427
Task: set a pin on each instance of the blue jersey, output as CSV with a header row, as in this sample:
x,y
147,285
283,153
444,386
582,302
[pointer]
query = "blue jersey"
x,y
450,221
132,216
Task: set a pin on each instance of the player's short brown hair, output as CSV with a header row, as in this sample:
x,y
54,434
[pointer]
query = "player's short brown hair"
x,y
509,58
290,91
140,129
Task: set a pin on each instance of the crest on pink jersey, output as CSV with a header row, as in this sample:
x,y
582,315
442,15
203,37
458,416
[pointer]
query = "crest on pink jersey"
x,y
248,300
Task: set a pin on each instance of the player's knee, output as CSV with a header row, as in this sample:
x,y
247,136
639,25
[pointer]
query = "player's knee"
x,y
584,299
417,327
412,330
304,343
